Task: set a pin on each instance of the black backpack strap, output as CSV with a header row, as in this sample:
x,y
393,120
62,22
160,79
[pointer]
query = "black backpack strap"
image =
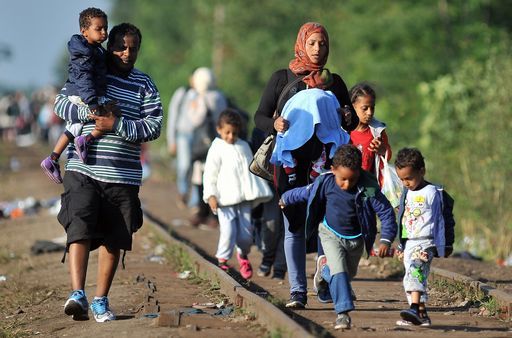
x,y
288,91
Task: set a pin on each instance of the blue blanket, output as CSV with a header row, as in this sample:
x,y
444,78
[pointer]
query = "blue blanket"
x,y
310,111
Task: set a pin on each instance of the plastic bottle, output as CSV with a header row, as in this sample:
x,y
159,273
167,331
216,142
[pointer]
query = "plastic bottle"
x,y
375,252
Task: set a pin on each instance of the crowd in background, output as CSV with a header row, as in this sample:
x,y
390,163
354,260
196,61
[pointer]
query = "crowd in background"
x,y
29,119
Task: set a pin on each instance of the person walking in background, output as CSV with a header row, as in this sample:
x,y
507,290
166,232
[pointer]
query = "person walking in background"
x,y
100,204
203,110
370,135
272,239
86,84
311,53
231,190
426,231
268,220
342,207
179,142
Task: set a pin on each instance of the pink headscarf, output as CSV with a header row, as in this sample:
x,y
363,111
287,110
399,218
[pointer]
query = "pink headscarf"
x,y
317,77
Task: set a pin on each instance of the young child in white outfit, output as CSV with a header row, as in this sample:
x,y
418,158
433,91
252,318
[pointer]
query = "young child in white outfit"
x,y
231,191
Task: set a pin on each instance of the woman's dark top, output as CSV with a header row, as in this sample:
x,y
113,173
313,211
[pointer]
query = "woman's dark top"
x,y
311,150
263,117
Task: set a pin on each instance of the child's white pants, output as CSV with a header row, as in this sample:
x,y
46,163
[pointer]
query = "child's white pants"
x,y
235,229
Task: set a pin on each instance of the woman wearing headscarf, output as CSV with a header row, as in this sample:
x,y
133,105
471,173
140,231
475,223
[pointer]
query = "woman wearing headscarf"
x,y
311,53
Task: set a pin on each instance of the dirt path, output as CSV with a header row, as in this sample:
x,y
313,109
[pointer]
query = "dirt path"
x,y
36,287
379,299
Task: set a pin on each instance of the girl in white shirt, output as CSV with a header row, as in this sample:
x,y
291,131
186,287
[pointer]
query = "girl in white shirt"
x,y
232,191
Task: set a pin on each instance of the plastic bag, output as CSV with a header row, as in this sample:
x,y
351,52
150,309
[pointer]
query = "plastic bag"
x,y
391,185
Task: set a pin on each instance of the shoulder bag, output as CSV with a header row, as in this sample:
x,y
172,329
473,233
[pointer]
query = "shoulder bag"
x,y
260,164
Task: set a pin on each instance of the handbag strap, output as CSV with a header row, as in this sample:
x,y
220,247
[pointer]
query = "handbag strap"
x,y
285,91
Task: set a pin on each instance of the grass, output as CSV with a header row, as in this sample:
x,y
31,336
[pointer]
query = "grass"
x,y
277,302
456,289
9,332
18,295
275,334
476,297
6,256
482,240
491,305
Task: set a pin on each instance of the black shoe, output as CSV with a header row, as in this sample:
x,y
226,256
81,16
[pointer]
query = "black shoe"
x,y
323,293
412,316
278,275
298,300
425,320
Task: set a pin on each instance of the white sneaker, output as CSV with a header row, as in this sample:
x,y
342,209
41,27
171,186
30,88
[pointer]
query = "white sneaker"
x,y
101,310
317,279
425,322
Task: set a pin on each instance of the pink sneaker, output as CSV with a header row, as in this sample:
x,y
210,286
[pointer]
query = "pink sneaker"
x,y
223,264
245,267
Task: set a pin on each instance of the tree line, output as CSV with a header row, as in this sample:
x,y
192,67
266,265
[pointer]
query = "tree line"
x,y
442,71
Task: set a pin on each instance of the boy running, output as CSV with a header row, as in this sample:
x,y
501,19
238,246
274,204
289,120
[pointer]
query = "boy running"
x,y
342,207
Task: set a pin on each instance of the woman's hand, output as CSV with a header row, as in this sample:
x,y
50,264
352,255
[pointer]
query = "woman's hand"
x,y
281,125
377,146
212,202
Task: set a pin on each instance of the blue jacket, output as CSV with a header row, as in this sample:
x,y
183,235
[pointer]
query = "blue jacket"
x,y
442,212
370,202
87,69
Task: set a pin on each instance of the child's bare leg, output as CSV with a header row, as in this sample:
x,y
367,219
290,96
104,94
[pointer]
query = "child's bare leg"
x,y
61,145
415,297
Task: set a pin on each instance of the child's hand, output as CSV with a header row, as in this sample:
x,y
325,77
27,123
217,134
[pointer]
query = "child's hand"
x,y
383,250
212,202
111,107
281,203
377,146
